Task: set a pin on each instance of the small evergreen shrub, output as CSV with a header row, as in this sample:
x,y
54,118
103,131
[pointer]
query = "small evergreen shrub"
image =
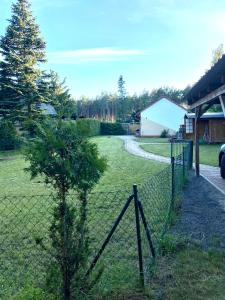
x,y
88,127
112,129
9,138
69,162
164,133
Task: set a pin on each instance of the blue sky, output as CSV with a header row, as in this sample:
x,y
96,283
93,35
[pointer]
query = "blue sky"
x,y
152,43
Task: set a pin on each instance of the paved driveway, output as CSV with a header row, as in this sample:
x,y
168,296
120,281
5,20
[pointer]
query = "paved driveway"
x,y
211,174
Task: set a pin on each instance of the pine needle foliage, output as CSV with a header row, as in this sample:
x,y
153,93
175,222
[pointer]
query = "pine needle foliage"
x,y
22,51
68,161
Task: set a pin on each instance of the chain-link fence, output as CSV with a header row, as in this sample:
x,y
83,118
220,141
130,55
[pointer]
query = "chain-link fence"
x,y
125,229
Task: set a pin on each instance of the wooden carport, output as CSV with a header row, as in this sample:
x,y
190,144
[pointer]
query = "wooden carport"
x,y
209,90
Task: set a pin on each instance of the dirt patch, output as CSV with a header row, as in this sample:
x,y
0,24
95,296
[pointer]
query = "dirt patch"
x,y
202,214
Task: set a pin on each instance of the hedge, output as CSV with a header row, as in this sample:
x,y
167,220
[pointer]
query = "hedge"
x,y
92,127
88,127
111,129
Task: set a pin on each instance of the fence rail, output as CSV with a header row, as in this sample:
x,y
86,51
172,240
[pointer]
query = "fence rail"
x,y
124,234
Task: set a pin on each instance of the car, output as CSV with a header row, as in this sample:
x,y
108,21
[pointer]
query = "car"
x,y
222,161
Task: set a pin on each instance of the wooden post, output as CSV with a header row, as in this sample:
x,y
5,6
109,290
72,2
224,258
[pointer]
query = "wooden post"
x,y
197,169
222,102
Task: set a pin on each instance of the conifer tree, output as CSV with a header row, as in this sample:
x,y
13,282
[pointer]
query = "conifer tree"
x,y
22,50
121,88
59,95
122,97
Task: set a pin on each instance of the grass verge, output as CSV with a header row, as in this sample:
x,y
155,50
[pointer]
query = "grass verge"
x,y
189,273
208,153
151,140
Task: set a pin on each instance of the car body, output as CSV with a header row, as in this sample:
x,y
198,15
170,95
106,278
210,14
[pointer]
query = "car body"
x,y
222,161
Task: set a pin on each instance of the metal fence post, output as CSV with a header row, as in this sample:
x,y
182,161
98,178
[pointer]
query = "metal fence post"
x,y
171,149
140,258
147,230
172,182
183,162
110,234
190,158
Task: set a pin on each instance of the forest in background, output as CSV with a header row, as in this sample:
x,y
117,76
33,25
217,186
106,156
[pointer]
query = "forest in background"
x,y
125,108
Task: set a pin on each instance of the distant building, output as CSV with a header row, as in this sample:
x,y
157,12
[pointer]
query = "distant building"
x,y
47,109
211,127
162,114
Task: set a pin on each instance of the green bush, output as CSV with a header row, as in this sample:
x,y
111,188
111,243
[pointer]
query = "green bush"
x,y
9,138
68,162
32,293
164,133
88,127
112,129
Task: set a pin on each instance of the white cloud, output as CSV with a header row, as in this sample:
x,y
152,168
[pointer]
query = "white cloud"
x,y
93,55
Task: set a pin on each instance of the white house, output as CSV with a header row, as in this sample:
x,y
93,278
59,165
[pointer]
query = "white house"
x,y
159,115
47,109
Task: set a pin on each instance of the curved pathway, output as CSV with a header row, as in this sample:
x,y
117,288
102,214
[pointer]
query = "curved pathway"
x,y
133,147
210,173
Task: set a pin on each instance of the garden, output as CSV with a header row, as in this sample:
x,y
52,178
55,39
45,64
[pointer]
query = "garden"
x,y
80,218
26,212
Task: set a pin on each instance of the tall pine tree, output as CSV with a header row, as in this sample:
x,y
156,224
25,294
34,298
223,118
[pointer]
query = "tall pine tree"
x,y
122,97
22,50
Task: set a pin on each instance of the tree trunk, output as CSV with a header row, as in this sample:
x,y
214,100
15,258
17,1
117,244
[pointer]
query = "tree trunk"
x,y
64,247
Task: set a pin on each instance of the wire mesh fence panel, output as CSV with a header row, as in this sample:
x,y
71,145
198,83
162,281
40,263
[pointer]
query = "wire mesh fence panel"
x,y
24,220
155,196
119,259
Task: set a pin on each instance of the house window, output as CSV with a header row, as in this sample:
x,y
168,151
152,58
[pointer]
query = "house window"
x,y
189,125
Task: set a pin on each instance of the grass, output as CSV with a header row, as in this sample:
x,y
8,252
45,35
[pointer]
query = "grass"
x,y
151,140
25,217
160,149
208,153
190,273
123,170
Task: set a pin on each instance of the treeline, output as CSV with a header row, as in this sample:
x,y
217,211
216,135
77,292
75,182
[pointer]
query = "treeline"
x,y
114,107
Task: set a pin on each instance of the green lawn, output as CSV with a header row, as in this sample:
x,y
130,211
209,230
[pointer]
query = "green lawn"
x,y
25,217
123,170
208,153
151,140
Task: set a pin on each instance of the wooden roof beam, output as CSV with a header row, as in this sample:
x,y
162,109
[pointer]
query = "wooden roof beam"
x,y
222,102
211,96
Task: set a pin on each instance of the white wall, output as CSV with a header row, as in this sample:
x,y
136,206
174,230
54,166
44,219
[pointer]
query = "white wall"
x,y
150,128
162,115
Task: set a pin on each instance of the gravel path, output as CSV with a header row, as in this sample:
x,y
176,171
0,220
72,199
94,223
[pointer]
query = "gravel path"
x,y
133,147
202,214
